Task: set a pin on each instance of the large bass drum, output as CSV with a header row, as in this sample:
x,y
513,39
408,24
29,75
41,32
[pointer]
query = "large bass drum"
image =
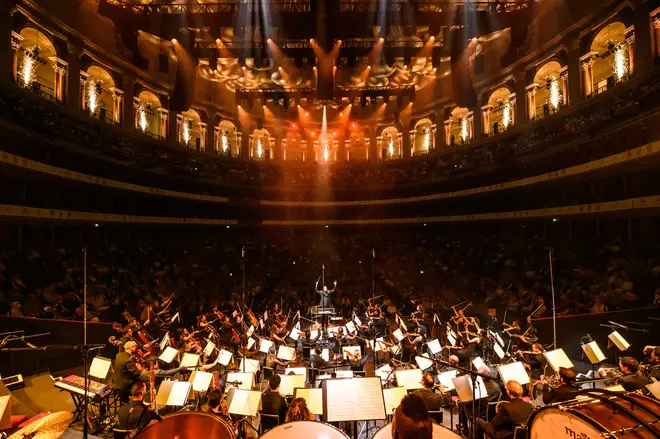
x,y
439,432
601,414
304,429
188,425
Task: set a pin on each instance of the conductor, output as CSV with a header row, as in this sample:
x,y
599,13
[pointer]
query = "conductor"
x,y
324,303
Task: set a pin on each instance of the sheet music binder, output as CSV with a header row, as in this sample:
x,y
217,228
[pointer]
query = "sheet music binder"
x,y
557,359
200,380
463,385
297,371
619,341
353,399
224,357
423,362
513,371
173,393
393,397
411,379
100,367
246,379
593,352
434,346
313,397
290,382
286,353
249,365
168,354
446,379
243,402
189,360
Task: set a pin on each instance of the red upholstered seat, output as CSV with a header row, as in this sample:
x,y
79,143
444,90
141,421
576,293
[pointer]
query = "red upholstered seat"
x,y
33,418
17,419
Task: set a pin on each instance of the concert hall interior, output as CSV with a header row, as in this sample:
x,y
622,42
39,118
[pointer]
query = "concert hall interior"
x,y
364,219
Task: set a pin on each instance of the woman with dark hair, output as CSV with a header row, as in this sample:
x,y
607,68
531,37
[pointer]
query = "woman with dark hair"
x,y
298,411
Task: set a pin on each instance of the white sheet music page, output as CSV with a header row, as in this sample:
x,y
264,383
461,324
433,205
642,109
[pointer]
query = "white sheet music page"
x,y
286,353
398,334
477,362
446,378
179,394
513,371
294,335
411,379
353,399
224,357
313,397
265,345
434,346
208,349
168,354
393,397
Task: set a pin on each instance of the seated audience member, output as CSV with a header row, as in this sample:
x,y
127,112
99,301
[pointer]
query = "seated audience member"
x,y
509,414
135,415
272,403
298,411
411,420
566,391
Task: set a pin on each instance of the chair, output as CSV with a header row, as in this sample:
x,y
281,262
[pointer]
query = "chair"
x,y
520,432
437,416
270,421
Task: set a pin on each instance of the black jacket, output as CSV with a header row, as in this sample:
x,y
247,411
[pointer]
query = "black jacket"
x,y
126,372
433,401
509,415
633,382
272,403
135,415
560,394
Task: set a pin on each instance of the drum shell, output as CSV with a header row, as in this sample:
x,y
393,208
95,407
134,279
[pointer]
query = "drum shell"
x,y
189,425
439,432
304,429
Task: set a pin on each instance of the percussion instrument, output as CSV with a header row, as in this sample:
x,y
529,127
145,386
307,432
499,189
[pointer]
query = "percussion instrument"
x,y
601,414
188,425
439,432
304,429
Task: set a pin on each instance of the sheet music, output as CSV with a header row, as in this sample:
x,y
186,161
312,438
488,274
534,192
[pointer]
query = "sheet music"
x,y
350,327
265,345
295,334
619,341
168,354
557,359
393,397
398,334
384,372
250,331
423,362
224,357
249,365
498,350
325,354
477,362
244,402
189,360
616,388
165,341
344,373
179,393
395,349
654,388
452,339
513,371
208,349
201,380
246,379
354,350
434,346
593,351
357,319
290,382
297,371
313,333
286,353
251,342
100,367
464,389
332,331
313,397
499,339
411,379
353,399
446,379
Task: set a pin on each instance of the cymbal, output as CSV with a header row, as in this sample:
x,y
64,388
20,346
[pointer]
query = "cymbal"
x,y
49,427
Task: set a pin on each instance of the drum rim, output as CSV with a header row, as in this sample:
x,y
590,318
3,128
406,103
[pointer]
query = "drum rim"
x,y
575,413
307,422
230,427
432,423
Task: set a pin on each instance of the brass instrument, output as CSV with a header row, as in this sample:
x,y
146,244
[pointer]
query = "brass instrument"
x,y
552,381
613,374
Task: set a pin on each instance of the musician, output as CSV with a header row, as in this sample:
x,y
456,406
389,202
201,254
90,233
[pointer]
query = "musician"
x,y
653,352
411,419
134,415
217,406
127,372
513,329
299,411
566,391
432,401
631,379
317,362
509,414
325,302
536,361
272,403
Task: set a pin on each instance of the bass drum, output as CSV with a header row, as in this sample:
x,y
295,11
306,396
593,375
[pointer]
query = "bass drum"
x,y
188,425
304,429
603,414
439,432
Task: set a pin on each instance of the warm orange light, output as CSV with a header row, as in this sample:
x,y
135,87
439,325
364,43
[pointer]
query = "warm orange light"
x,y
352,125
218,41
339,42
293,125
269,41
238,106
380,40
431,38
174,41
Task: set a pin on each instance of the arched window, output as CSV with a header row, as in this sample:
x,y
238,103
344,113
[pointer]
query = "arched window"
x,y
148,115
459,127
260,145
499,114
390,144
99,96
190,130
228,139
295,150
546,95
424,139
358,148
34,64
609,59
325,148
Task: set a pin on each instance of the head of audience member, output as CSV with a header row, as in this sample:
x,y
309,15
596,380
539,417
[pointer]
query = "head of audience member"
x,y
427,381
130,346
566,375
628,365
453,360
137,391
514,389
411,419
215,398
274,383
298,411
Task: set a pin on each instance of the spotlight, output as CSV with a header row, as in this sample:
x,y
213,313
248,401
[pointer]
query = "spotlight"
x,y
339,42
174,41
293,125
238,106
431,38
269,41
353,126
218,41
311,41
381,40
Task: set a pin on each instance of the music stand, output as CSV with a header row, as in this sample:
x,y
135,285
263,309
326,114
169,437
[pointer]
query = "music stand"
x,y
344,373
201,381
286,353
446,379
208,349
654,388
249,365
243,402
173,393
393,397
290,382
434,346
245,380
478,363
557,359
168,354
618,341
265,345
296,371
100,367
466,391
224,357
384,372
353,399
165,341
354,350
513,371
189,360
423,362
313,397
411,379
593,352
498,350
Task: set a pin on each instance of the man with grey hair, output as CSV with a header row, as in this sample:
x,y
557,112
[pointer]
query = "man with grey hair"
x,y
509,414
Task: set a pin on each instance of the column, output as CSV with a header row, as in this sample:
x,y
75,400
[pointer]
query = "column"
x,y
520,115
531,101
178,131
587,64
172,128
641,35
471,127
7,47
245,143
135,123
128,87
411,135
485,119
216,140
630,41
73,98
512,109
16,40
117,97
373,144
477,121
60,67
84,76
278,155
210,144
439,122
655,22
164,116
379,148
434,130
347,149
574,72
203,127
407,140
563,73
447,131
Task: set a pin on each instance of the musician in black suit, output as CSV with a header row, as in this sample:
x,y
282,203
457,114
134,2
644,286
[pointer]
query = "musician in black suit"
x,y
565,392
135,415
509,414
325,302
432,400
127,372
631,379
272,403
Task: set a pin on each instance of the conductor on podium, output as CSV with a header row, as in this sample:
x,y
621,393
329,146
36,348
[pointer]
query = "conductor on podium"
x,y
325,302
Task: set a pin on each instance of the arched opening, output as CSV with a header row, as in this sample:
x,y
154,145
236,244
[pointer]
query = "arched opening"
x,y
99,96
260,145
500,113
325,148
390,144
34,64
609,61
228,140
148,118
424,140
294,148
358,149
546,96
190,130
459,126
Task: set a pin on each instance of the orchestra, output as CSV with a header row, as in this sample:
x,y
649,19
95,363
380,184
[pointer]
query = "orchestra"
x,y
279,340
